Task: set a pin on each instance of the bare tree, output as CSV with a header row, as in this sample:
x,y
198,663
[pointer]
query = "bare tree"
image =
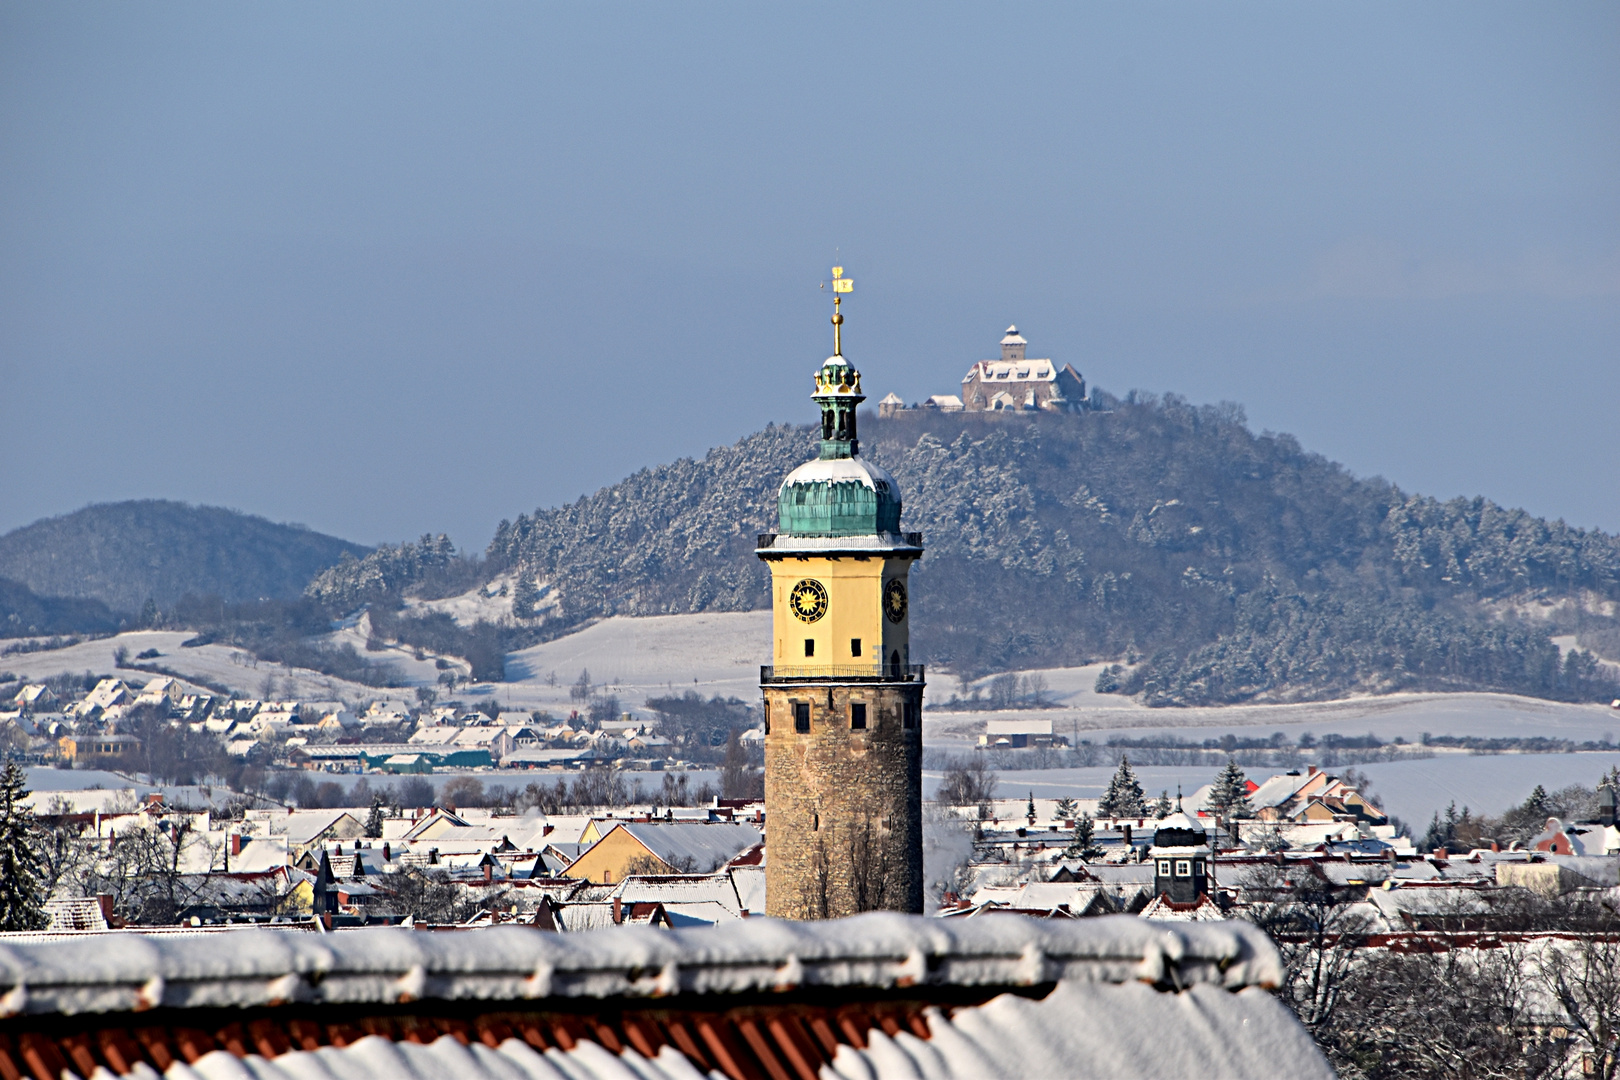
x,y
1583,976
870,865
1317,929
63,850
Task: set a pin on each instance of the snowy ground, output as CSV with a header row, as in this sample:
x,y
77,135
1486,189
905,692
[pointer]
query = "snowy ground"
x,y
218,664
1411,790
1405,715
720,654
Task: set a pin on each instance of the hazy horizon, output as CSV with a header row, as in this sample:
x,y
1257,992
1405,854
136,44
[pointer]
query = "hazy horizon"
x,y
406,269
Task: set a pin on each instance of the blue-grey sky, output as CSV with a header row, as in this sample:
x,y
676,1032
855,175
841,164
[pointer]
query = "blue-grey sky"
x,y
391,268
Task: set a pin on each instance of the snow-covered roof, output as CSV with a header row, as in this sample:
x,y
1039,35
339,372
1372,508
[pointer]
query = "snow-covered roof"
x,y
705,845
875,543
1011,371
134,972
1131,998
680,888
1277,790
844,471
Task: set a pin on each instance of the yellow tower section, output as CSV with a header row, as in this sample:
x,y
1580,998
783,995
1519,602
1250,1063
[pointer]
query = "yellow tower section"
x,y
843,615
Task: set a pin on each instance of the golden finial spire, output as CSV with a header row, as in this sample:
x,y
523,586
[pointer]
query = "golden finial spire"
x,y
840,285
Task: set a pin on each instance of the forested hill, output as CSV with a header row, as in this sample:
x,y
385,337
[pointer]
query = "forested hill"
x,y
1236,566
124,554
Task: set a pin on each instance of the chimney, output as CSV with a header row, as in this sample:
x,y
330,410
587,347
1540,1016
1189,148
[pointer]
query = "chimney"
x,y
618,911
106,902
1127,834
388,854
489,873
548,830
236,843
1312,771
1440,854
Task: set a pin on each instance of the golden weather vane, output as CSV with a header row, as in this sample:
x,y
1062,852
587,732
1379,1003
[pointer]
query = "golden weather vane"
x,y
840,285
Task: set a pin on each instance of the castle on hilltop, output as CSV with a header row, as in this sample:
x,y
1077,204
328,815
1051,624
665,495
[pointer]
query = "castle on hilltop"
x,y
1012,384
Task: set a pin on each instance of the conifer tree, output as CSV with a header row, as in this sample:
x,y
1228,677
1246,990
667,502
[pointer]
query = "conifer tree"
x,y
1124,797
1029,811
1229,796
1162,808
1084,844
1065,810
374,820
22,894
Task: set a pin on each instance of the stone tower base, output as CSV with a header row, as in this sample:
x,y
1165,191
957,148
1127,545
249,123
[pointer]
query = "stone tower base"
x,y
843,803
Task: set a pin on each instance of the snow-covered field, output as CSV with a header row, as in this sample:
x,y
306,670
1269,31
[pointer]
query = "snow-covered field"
x,y
1404,715
639,658
1411,790
218,664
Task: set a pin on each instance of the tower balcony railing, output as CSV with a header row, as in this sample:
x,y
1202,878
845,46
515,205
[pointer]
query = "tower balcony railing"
x,y
766,540
769,673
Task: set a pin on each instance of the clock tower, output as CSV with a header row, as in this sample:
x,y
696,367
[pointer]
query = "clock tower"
x,y
843,702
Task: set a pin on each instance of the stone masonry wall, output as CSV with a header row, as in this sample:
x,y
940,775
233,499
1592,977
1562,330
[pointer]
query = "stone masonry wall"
x,y
843,808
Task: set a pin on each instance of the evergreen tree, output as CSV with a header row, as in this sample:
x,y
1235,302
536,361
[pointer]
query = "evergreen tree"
x,y
1162,808
1535,806
1065,810
1230,794
1084,844
1124,797
525,595
374,820
1029,811
22,894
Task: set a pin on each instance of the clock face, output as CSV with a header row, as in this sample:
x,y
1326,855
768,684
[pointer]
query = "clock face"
x,y
894,600
808,600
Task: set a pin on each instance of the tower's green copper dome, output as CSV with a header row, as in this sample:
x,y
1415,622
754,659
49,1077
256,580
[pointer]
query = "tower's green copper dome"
x,y
839,497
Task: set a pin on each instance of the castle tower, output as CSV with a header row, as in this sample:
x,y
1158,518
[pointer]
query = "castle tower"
x,y
843,702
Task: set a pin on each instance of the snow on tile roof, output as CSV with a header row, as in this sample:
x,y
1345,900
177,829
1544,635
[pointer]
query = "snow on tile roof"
x,y
76,913
1112,1012
138,971
680,888
1277,790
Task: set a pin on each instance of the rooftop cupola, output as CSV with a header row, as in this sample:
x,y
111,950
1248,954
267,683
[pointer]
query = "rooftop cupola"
x,y
838,385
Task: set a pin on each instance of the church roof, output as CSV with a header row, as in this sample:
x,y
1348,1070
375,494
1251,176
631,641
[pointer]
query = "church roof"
x,y
1013,337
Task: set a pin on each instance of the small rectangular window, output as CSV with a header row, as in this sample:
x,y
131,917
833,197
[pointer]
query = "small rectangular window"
x,y
1164,867
801,716
855,646
857,715
1183,868
767,718
809,646
908,715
